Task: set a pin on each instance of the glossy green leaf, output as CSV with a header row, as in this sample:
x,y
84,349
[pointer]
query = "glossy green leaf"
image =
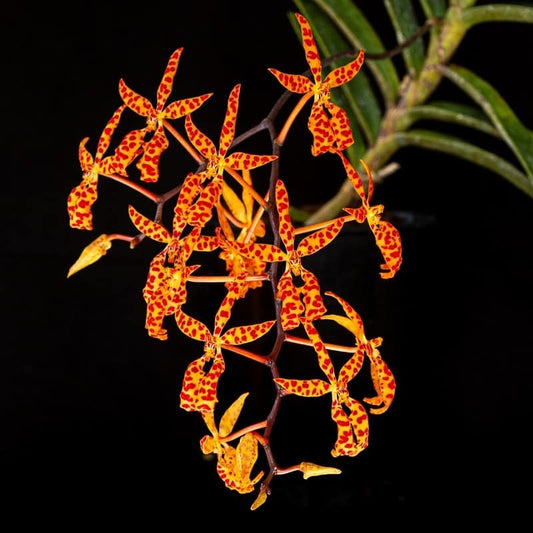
x,y
452,112
404,20
440,142
353,24
357,96
514,133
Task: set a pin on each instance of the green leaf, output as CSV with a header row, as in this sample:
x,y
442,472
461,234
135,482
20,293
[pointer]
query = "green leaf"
x,y
353,24
357,96
405,25
434,8
440,142
514,133
452,112
497,13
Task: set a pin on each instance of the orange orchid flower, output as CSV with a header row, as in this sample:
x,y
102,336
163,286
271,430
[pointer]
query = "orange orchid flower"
x,y
83,196
328,122
218,161
349,414
198,392
296,301
165,290
242,215
234,465
387,236
237,264
382,378
148,164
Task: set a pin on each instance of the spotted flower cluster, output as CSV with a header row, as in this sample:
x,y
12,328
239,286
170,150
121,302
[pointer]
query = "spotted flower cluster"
x,y
221,207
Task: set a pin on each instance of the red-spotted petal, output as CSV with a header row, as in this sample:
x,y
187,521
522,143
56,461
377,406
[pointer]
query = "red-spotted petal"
x,y
200,141
320,238
383,381
352,429
79,205
192,327
324,360
311,295
180,108
295,83
320,127
345,73
148,227
202,210
137,103
128,150
199,388
243,161
351,368
85,157
304,387
286,228
105,138
167,81
390,244
292,307
262,251
311,50
148,163
340,125
243,334
227,134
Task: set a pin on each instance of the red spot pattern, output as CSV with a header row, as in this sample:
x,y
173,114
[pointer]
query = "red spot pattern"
x,y
328,123
149,162
82,197
387,236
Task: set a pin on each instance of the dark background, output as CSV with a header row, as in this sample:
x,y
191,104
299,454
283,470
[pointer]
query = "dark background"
x,y
91,427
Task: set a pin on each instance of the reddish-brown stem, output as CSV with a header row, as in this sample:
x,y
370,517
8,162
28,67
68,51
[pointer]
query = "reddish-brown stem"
x,y
243,431
195,155
125,181
120,237
307,342
289,470
246,353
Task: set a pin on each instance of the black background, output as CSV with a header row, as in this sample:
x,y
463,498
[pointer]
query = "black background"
x,y
91,426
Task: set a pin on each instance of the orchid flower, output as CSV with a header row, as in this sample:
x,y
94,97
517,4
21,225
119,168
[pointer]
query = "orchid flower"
x,y
238,265
234,465
165,290
387,236
296,301
83,196
328,122
382,377
148,163
218,161
349,414
198,392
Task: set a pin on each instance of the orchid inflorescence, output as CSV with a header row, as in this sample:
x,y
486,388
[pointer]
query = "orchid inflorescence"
x,y
220,210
